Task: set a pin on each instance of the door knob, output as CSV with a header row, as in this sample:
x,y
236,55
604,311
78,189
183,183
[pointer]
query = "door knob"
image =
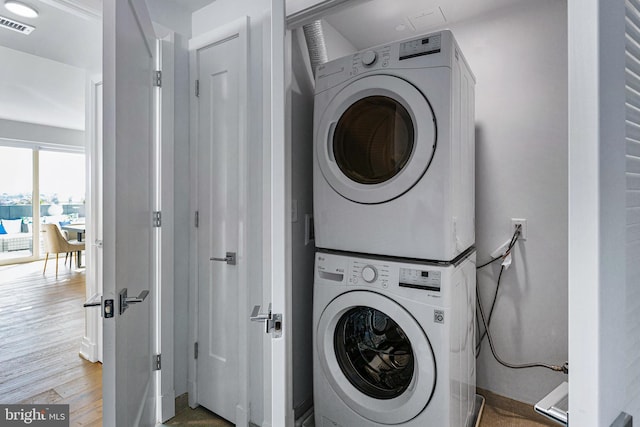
x,y
126,300
230,258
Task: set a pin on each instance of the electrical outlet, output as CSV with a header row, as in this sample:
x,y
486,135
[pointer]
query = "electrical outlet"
x,y
523,230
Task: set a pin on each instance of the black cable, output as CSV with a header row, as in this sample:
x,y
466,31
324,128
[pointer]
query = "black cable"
x,y
512,242
493,306
487,322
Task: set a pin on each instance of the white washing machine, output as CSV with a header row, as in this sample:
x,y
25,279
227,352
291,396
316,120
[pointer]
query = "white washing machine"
x,y
394,170
393,342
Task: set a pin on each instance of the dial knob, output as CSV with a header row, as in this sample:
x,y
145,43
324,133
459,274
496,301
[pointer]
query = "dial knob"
x,y
369,57
369,273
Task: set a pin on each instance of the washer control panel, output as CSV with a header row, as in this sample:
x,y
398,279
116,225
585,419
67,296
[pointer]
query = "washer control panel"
x,y
369,272
420,279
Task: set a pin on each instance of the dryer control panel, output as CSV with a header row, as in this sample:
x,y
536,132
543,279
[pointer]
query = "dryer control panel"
x,y
420,279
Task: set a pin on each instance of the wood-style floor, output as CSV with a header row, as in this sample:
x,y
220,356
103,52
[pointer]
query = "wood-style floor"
x,y
41,330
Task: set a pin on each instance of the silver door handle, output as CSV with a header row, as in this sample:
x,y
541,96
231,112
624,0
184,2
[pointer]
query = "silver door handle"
x,y
125,300
273,321
94,301
230,258
256,316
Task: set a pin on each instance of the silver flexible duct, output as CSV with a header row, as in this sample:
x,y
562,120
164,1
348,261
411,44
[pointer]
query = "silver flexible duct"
x,y
314,36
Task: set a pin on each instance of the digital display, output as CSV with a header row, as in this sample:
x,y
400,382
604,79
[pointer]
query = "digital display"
x,y
420,47
419,279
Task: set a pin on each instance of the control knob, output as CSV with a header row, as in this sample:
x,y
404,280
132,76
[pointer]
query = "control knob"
x,y
369,57
369,274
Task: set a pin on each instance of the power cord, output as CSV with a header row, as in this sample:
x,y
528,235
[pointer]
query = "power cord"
x,y
564,368
512,243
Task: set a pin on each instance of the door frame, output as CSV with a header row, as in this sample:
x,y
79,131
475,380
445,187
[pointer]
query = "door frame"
x,y
597,222
92,346
238,28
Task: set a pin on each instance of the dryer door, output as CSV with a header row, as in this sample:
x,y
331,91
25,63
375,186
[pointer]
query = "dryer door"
x,y
375,139
376,357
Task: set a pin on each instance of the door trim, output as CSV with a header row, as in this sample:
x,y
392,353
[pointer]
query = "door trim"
x,y
240,29
91,347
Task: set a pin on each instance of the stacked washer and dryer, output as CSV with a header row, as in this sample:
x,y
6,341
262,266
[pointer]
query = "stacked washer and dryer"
x,y
394,287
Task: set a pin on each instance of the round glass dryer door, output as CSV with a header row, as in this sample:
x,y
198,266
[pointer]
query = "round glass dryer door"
x,y
376,357
376,139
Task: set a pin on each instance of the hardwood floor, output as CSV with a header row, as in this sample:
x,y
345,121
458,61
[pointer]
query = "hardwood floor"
x,y
41,330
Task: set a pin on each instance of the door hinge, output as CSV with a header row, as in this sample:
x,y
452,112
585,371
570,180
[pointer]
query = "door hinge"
x,y
195,350
157,362
157,78
157,219
197,219
273,321
197,87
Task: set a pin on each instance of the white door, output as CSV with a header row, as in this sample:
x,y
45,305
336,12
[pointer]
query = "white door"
x,y
220,254
278,404
129,46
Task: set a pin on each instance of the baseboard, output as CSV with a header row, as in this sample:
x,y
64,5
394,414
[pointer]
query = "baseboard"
x,y
519,408
193,394
168,402
88,350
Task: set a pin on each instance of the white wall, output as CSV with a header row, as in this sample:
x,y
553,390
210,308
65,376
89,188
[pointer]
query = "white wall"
x,y
206,19
519,57
22,131
337,45
41,91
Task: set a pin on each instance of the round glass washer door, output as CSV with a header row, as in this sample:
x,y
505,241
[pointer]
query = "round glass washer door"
x,y
375,139
376,357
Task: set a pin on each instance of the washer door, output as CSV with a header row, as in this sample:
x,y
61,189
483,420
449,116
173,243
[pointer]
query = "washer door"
x,y
376,357
375,139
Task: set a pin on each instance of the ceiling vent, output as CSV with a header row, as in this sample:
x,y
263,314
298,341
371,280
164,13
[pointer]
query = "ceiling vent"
x,y
12,24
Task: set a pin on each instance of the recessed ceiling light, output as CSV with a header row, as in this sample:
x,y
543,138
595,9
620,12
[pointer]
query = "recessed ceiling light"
x,y
21,9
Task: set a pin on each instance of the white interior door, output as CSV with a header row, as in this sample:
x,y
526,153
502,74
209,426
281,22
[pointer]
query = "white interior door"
x,y
129,46
221,258
277,376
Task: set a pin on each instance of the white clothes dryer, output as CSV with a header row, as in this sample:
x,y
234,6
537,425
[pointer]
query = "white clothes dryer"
x,y
393,342
394,170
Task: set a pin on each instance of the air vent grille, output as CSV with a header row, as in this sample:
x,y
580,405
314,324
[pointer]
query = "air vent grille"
x,y
14,25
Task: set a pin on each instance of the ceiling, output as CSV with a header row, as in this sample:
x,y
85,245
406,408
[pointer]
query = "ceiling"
x,y
375,22
69,31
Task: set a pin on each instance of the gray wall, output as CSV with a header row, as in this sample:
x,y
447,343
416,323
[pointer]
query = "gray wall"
x,y
519,57
301,128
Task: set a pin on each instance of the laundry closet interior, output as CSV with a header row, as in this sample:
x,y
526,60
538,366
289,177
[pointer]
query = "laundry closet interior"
x,y
518,54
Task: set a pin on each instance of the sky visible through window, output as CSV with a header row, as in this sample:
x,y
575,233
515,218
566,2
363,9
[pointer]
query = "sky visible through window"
x,y
62,176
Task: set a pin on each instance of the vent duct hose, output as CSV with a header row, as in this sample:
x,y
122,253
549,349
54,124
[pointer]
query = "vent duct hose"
x,y
314,36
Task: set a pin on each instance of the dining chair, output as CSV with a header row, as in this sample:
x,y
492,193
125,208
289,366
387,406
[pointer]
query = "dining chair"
x,y
55,242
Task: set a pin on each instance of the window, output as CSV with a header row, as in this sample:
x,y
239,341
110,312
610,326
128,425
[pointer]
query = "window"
x,y
57,177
